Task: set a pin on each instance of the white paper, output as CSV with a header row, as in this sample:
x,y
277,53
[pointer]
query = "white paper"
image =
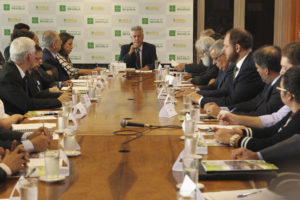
x,y
87,100
177,166
168,110
82,111
73,119
188,186
264,194
32,126
42,118
211,126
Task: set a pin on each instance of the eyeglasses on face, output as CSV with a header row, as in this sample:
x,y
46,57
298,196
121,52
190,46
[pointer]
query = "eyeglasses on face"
x,y
217,57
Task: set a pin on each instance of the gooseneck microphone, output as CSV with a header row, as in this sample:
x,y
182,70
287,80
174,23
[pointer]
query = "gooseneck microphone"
x,y
125,123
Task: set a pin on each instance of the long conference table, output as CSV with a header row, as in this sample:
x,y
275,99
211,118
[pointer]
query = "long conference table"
x,y
102,172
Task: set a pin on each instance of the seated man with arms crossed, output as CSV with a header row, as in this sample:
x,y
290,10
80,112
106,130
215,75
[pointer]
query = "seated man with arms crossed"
x,y
138,54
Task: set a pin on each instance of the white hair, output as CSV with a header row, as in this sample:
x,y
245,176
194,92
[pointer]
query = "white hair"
x,y
136,28
203,44
217,46
49,37
20,48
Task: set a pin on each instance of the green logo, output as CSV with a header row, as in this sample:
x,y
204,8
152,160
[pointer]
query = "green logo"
x,y
172,8
117,57
172,57
63,31
117,8
145,21
91,45
118,33
172,33
35,20
6,7
90,20
7,32
62,8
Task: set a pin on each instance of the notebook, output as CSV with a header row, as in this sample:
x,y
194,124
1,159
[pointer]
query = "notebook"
x,y
32,126
236,165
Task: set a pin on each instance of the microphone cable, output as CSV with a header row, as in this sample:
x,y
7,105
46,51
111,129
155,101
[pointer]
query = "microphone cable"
x,y
138,134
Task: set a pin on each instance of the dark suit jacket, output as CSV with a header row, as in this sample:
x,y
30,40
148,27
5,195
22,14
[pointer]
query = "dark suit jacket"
x,y
7,53
266,102
245,86
265,137
284,154
217,88
49,62
35,90
14,96
3,175
204,77
195,68
2,60
148,56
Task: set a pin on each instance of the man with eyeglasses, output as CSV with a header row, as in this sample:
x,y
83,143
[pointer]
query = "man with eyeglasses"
x,y
219,86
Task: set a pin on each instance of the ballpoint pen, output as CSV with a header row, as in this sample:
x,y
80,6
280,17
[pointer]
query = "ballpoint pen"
x,y
247,194
31,172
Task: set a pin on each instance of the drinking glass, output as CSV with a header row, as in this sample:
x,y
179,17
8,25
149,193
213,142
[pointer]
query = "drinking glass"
x,y
51,164
29,189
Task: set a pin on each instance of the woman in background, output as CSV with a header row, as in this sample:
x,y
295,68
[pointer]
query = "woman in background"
x,y
64,60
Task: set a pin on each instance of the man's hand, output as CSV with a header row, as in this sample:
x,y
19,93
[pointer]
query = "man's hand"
x,y
146,68
229,118
180,67
54,90
195,97
132,49
66,96
41,131
40,143
186,77
223,135
244,154
212,109
17,159
180,93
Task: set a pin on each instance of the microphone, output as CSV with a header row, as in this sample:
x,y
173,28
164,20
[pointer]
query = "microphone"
x,y
125,123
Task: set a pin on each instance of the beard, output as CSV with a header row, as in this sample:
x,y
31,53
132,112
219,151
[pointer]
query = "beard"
x,y
233,57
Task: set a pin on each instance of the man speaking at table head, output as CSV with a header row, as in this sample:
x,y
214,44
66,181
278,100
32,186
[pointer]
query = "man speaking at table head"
x,y
138,54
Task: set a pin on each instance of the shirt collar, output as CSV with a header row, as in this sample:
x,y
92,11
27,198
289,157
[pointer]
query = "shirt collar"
x,y
141,48
275,80
22,73
239,64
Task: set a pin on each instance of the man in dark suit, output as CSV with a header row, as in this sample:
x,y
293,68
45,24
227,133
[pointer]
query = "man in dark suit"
x,y
52,46
138,54
13,82
217,88
244,82
267,61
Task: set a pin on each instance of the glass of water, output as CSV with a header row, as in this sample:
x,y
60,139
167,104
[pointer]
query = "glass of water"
x,y
28,189
51,164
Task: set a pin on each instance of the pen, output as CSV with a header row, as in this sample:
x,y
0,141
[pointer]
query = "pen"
x,y
247,194
31,172
233,109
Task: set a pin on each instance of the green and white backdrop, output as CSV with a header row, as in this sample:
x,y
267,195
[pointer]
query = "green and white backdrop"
x,y
100,27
